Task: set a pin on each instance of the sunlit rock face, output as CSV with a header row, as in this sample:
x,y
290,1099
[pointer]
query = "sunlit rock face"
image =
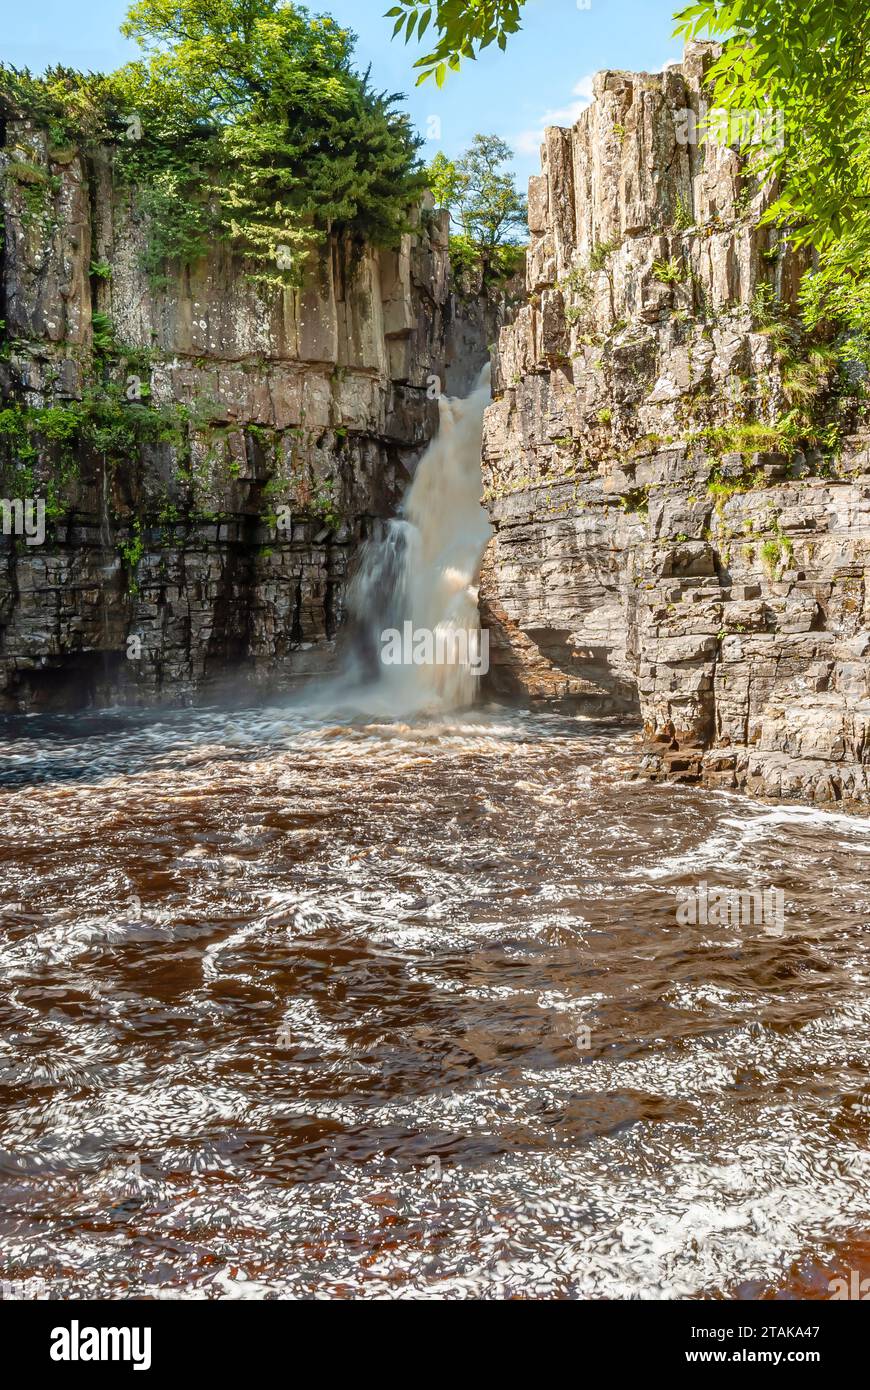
x,y
713,585
308,408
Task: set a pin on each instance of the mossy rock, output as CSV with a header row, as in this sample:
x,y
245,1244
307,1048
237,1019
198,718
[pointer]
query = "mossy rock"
x,y
22,172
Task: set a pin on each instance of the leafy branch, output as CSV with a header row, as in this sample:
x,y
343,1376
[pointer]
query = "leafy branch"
x,y
464,27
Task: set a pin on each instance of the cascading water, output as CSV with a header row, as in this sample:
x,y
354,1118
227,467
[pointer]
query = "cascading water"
x,y
418,578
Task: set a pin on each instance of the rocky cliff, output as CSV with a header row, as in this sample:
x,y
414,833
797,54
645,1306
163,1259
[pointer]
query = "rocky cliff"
x,y
211,454
678,480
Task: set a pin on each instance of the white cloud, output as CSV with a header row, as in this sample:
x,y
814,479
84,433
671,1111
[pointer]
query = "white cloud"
x,y
529,141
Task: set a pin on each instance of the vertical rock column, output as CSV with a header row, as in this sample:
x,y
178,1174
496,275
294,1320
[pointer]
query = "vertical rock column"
x,y
663,547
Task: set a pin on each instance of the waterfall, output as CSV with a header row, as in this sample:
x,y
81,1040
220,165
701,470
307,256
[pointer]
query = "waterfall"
x,y
417,579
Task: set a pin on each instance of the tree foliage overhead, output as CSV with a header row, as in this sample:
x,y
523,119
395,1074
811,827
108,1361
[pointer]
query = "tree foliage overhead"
x,y
809,60
244,119
463,28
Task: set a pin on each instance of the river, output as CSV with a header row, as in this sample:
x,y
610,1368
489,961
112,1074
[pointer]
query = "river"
x,y
306,1006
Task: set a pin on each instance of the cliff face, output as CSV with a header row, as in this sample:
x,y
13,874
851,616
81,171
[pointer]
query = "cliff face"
x,y
666,544
218,551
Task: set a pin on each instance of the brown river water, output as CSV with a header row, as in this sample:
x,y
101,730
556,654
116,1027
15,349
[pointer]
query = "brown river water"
x,y
300,1007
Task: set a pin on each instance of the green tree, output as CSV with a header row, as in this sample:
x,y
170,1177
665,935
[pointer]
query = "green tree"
x,y
487,208
482,196
443,180
300,143
232,57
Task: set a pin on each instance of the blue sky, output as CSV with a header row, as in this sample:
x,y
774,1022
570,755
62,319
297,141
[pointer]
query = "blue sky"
x,y
544,78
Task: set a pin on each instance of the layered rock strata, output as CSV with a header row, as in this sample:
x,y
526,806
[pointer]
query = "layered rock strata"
x,y
680,492
218,555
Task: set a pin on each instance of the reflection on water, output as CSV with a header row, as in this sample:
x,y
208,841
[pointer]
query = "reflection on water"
x,y
296,1008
